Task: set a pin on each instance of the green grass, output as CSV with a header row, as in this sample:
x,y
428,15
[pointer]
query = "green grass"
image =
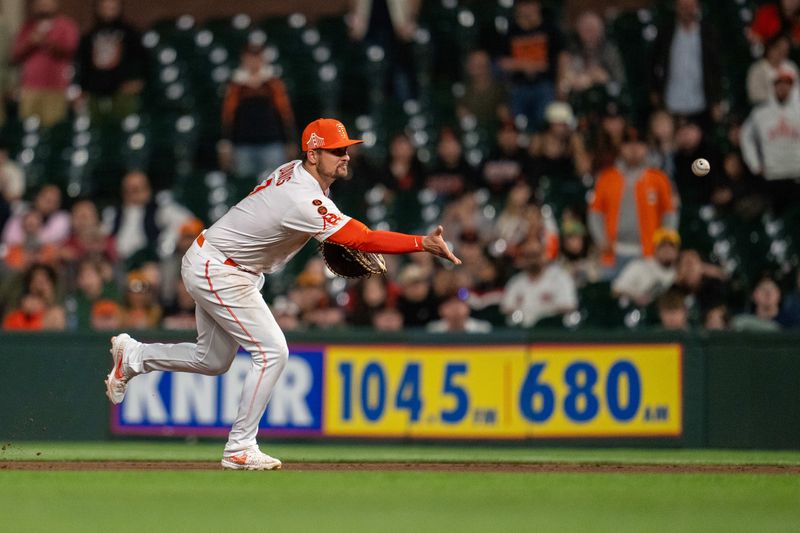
x,y
155,451
296,501
395,501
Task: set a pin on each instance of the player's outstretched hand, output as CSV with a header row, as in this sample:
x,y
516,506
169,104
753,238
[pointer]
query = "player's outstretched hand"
x,y
435,244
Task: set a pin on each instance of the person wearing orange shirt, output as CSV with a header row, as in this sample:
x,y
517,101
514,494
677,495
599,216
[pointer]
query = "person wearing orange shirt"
x,y
630,202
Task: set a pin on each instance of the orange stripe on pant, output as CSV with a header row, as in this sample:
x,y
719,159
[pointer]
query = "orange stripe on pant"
x,y
235,318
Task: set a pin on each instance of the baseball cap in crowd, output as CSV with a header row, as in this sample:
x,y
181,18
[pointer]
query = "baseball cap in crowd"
x,y
192,227
662,235
326,133
106,309
560,113
573,227
412,274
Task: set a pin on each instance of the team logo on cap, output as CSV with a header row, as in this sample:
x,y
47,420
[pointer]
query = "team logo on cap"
x,y
315,141
341,130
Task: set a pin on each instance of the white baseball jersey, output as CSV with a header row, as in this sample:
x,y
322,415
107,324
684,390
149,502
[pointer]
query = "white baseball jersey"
x,y
268,227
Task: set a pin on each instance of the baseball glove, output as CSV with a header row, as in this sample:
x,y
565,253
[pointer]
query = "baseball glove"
x,y
350,263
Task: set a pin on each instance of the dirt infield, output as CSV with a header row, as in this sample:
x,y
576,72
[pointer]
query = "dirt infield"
x,y
581,468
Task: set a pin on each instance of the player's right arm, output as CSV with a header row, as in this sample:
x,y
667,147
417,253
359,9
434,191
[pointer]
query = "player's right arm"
x,y
357,235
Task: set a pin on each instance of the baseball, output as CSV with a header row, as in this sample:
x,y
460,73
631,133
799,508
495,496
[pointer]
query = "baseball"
x,y
700,167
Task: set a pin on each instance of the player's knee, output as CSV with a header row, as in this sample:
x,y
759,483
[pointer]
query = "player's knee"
x,y
215,367
221,368
282,354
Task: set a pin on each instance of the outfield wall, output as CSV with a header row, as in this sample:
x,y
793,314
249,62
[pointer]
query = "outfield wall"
x,y
578,388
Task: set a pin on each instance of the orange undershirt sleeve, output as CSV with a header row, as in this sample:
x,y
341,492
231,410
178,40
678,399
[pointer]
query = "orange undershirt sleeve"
x,y
356,235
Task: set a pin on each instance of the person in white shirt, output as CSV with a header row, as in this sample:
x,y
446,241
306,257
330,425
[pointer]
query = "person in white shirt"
x,y
455,318
644,279
144,225
541,290
761,73
770,140
224,272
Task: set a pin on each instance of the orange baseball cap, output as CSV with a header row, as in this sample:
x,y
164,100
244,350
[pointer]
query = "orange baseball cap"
x,y
326,133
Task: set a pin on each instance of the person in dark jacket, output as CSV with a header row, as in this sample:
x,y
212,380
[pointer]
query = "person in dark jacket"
x,y
111,64
686,70
257,118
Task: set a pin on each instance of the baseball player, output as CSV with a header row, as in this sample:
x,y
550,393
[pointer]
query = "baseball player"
x,y
224,272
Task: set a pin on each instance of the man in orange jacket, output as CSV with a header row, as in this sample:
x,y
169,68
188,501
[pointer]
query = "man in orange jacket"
x,y
630,202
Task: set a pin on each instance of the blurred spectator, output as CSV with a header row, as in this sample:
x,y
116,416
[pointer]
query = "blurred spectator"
x,y
643,280
181,313
87,238
141,309
403,171
470,250
463,214
484,98
43,50
257,117
286,313
690,144
6,71
170,266
766,298
92,286
592,60
107,316
29,316
39,308
558,152
316,307
31,250
416,303
702,283
540,290
717,318
672,311
737,190
387,319
111,64
508,163
451,175
661,136
576,257
455,318
606,143
762,73
791,305
55,222
391,25
771,142
369,296
12,181
532,59
686,71
774,17
630,202
512,224
143,227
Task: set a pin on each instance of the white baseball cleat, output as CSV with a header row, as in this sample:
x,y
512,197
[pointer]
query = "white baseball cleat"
x,y
251,459
117,382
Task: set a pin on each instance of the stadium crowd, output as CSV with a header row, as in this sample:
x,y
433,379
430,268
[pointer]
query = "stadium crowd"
x,y
581,211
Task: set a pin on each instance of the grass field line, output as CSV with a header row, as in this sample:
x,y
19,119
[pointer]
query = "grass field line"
x,y
358,452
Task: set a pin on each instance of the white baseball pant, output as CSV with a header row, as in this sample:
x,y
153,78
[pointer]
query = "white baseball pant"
x,y
230,313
